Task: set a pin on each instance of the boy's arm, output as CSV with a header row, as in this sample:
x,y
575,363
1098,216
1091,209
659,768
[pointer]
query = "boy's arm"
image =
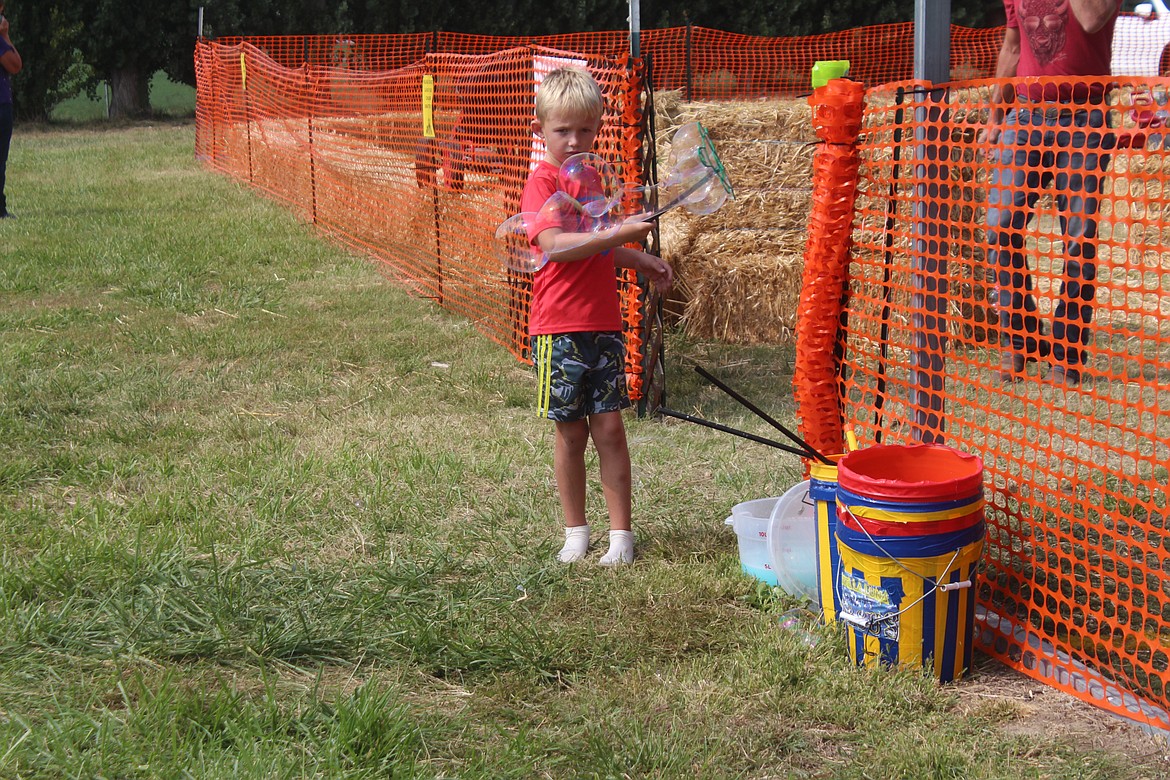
x,y
562,247
657,270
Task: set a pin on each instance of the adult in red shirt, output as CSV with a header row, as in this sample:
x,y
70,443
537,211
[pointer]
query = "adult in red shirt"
x,y
1053,133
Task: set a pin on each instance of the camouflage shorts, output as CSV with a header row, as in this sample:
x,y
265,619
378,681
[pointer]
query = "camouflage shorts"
x,y
579,374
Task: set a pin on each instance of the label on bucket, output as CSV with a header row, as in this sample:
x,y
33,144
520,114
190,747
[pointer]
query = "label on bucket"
x,y
872,608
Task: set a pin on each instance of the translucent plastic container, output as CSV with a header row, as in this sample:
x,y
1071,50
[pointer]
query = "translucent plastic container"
x,y
751,521
792,542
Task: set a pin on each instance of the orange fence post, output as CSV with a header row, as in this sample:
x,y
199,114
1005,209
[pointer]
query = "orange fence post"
x,y
640,304
837,120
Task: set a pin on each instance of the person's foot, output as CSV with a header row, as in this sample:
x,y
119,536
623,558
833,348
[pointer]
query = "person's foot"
x,y
1011,367
621,549
7,215
576,544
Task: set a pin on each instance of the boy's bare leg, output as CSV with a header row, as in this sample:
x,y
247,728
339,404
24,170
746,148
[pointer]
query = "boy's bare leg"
x,y
613,453
569,467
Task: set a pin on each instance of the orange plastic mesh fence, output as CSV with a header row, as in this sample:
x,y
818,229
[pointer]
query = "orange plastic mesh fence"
x,y
1075,587
347,150
364,52
1075,581
708,64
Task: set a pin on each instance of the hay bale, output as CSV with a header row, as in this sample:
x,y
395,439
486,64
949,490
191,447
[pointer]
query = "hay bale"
x,y
739,270
744,298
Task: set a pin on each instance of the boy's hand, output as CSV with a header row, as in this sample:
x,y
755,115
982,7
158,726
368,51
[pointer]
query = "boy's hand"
x,y
658,271
634,232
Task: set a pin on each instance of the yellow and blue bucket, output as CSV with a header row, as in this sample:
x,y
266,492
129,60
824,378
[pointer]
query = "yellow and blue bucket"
x,y
910,532
822,489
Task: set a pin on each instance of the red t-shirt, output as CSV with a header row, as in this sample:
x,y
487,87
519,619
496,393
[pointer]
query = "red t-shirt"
x,y
568,297
1053,43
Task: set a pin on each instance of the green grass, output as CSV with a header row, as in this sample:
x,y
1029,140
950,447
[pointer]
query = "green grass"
x,y
264,515
167,98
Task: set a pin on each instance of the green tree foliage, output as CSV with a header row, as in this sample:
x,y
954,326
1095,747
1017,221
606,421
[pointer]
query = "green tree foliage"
x,y
47,34
536,17
126,43
805,17
68,45
521,17
273,17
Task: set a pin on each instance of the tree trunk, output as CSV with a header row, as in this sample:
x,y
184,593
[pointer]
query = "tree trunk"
x,y
129,93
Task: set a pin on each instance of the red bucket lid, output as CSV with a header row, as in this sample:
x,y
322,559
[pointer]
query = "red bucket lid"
x,y
911,473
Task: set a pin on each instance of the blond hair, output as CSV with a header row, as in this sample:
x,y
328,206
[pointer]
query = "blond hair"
x,y
569,91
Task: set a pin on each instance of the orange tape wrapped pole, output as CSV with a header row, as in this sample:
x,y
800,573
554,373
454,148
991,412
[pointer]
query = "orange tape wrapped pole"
x,y
635,300
836,116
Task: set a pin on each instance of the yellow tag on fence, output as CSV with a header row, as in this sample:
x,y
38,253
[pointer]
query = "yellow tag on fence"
x,y
243,72
428,106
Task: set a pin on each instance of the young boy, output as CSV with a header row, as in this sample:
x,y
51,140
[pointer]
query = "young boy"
x,y
575,323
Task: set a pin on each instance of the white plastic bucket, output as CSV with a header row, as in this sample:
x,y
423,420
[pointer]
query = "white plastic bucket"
x,y
792,542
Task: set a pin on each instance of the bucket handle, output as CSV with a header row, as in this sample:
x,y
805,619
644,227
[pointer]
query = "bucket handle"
x,y
862,622
894,558
866,624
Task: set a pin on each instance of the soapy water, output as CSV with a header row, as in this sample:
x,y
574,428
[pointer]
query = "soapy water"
x,y
588,203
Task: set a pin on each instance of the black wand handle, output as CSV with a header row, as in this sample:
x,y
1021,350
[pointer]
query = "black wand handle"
x,y
806,449
742,434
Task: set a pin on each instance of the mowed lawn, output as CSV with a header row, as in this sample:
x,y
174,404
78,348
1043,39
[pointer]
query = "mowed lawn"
x,y
264,515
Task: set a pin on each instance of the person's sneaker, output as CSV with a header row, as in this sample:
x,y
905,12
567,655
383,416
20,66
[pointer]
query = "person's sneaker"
x,y
1011,367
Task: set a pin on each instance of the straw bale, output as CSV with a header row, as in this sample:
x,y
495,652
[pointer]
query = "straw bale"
x,y
666,108
676,236
748,298
743,119
739,269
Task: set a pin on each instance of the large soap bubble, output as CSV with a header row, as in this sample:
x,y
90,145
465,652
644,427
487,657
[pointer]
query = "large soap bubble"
x,y
578,221
588,202
695,178
518,253
591,181
583,209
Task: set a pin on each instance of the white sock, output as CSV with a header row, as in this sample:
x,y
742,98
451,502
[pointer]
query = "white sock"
x,y
621,548
576,544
